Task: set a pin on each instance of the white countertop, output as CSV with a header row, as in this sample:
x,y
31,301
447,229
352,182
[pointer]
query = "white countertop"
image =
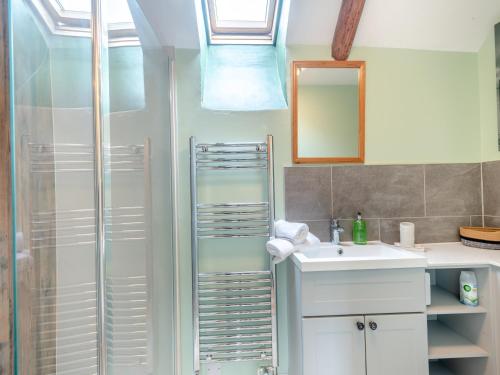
x,y
449,255
436,255
349,257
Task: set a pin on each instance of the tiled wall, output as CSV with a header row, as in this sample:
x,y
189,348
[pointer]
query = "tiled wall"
x,y
438,198
491,188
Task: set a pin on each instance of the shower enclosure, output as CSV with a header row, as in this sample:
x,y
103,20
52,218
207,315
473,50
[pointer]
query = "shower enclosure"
x,y
92,134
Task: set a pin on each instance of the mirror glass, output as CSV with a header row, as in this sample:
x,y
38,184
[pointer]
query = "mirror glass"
x,y
328,118
497,50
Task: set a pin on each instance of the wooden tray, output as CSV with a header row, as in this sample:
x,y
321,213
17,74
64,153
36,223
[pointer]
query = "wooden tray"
x,y
481,234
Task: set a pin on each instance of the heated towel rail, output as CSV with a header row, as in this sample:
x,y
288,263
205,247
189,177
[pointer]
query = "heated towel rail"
x,y
234,313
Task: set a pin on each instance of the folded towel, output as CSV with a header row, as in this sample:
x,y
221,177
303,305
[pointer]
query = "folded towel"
x,y
294,232
312,240
280,249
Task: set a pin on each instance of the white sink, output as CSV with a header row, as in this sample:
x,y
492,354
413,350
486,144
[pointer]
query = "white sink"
x,y
348,256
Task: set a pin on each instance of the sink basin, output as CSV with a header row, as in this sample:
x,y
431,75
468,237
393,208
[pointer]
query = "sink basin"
x,y
348,256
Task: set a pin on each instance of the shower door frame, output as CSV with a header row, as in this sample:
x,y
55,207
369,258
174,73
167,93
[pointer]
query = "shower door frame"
x,y
100,256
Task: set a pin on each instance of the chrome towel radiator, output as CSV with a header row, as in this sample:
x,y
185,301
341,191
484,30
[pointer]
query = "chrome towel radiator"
x,y
234,313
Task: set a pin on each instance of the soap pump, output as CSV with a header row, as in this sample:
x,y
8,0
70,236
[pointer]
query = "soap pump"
x,y
359,235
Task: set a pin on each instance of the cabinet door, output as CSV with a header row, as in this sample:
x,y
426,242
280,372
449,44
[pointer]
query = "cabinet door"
x,y
396,344
334,346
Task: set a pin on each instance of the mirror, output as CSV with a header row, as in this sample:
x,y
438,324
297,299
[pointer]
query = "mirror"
x,y
497,54
328,111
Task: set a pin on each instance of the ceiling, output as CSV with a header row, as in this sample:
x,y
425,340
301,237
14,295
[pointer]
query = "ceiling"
x,y
444,25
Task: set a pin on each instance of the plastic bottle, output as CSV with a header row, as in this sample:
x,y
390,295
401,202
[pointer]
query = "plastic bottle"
x,y
468,288
359,235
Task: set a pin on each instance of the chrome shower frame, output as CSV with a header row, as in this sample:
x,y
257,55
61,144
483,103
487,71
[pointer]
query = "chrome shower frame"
x,y
97,37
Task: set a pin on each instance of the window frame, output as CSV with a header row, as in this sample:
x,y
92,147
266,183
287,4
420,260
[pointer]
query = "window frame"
x,y
241,32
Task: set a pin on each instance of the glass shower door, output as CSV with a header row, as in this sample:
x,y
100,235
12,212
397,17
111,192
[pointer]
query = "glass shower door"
x,y
137,196
67,315
54,177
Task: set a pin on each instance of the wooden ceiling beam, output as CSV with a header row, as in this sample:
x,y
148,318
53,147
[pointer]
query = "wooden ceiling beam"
x,y
347,25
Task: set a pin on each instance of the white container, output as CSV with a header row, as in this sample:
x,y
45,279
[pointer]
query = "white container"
x,y
468,288
407,234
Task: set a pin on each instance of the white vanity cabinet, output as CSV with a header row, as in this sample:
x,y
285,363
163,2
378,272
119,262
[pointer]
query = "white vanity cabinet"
x,y
360,345
334,345
363,322
397,345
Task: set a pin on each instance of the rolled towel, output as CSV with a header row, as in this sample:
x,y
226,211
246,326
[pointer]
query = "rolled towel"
x,y
280,249
312,240
294,232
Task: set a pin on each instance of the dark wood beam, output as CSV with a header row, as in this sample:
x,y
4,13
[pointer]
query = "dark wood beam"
x,y
6,308
347,25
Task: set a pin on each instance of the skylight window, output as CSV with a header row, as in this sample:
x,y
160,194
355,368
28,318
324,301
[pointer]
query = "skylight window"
x,y
72,18
241,21
74,6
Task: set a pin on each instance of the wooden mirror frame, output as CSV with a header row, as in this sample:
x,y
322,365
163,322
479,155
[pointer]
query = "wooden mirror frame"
x,y
296,66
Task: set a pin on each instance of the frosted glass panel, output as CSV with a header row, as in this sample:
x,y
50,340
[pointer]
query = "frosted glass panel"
x,y
241,10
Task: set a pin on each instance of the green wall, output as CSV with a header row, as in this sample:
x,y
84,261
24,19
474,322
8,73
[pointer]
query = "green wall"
x,y
422,107
328,120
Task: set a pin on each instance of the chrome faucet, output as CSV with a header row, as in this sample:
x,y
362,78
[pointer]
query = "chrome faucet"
x,y
335,231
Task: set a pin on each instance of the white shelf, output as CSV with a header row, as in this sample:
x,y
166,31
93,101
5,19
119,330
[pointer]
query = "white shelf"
x,y
444,302
446,343
436,368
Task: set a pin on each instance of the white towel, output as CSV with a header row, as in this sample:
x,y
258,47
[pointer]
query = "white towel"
x,y
280,249
312,240
294,232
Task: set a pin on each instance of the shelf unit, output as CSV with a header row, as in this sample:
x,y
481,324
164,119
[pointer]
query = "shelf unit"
x,y
459,336
445,343
446,303
436,368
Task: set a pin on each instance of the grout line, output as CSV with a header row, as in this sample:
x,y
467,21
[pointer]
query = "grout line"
x,y
379,231
394,218
425,196
482,195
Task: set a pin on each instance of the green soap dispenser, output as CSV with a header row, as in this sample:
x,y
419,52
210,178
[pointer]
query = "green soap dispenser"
x,y
359,231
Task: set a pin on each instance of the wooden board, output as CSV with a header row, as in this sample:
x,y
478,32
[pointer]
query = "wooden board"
x,y
347,26
481,234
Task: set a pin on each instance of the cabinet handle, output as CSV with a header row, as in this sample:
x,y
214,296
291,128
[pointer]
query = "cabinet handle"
x,y
373,326
361,326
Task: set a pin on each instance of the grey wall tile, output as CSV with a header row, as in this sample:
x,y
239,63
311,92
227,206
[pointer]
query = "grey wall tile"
x,y
378,191
427,229
491,185
476,221
492,221
453,189
372,226
320,228
308,193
